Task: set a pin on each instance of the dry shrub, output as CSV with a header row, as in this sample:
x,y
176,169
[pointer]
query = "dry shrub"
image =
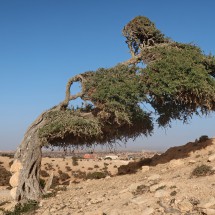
x,y
202,170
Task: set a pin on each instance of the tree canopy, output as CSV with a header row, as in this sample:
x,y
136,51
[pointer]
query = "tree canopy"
x,y
177,82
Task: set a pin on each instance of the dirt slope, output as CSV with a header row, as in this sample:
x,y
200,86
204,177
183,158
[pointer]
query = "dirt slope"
x,y
167,186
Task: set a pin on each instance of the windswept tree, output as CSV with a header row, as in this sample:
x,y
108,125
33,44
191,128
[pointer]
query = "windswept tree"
x,y
177,82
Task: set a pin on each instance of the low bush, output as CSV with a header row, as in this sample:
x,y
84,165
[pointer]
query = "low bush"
x,y
5,176
202,170
203,138
64,176
96,175
79,174
44,174
74,161
68,168
132,167
30,206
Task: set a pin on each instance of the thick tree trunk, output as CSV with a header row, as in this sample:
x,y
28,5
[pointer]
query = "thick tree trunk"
x,y
25,169
26,166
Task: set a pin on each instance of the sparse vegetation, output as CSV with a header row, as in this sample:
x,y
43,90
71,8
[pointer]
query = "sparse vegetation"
x,y
42,183
161,187
68,168
202,170
5,176
141,190
173,193
44,173
96,175
74,161
64,176
132,167
203,138
27,207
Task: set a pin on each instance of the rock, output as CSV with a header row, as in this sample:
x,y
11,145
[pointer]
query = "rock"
x,y
14,180
139,200
207,203
161,193
148,211
153,188
13,192
154,177
133,187
211,158
96,201
145,169
185,205
16,166
209,211
191,161
10,206
97,212
175,163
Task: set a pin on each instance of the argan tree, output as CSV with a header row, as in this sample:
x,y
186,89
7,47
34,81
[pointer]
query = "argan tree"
x,y
177,82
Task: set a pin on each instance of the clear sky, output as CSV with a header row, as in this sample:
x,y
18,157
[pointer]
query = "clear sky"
x,y
45,42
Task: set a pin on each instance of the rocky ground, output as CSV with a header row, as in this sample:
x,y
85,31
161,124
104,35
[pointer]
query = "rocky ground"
x,y
180,181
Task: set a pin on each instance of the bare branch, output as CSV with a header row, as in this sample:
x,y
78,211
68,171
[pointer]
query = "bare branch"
x,y
68,96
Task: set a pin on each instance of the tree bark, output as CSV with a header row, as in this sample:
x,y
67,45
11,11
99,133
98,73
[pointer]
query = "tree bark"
x,y
27,160
28,156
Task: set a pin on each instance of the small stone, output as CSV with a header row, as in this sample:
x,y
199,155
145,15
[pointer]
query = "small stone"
x,y
211,158
191,161
209,211
161,193
154,177
139,200
207,203
16,166
14,180
96,201
13,192
148,211
185,206
145,169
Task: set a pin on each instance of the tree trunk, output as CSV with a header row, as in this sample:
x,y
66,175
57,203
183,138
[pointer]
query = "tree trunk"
x,y
27,162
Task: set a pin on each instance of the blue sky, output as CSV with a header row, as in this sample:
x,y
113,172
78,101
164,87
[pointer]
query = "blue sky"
x,y
45,42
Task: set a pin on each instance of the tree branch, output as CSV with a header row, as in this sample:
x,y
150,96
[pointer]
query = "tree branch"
x,y
68,96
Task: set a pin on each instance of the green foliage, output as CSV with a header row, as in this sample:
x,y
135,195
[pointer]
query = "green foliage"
x,y
177,82
27,207
96,175
42,183
141,32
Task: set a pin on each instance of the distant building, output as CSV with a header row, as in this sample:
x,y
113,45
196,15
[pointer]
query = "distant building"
x,y
89,156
